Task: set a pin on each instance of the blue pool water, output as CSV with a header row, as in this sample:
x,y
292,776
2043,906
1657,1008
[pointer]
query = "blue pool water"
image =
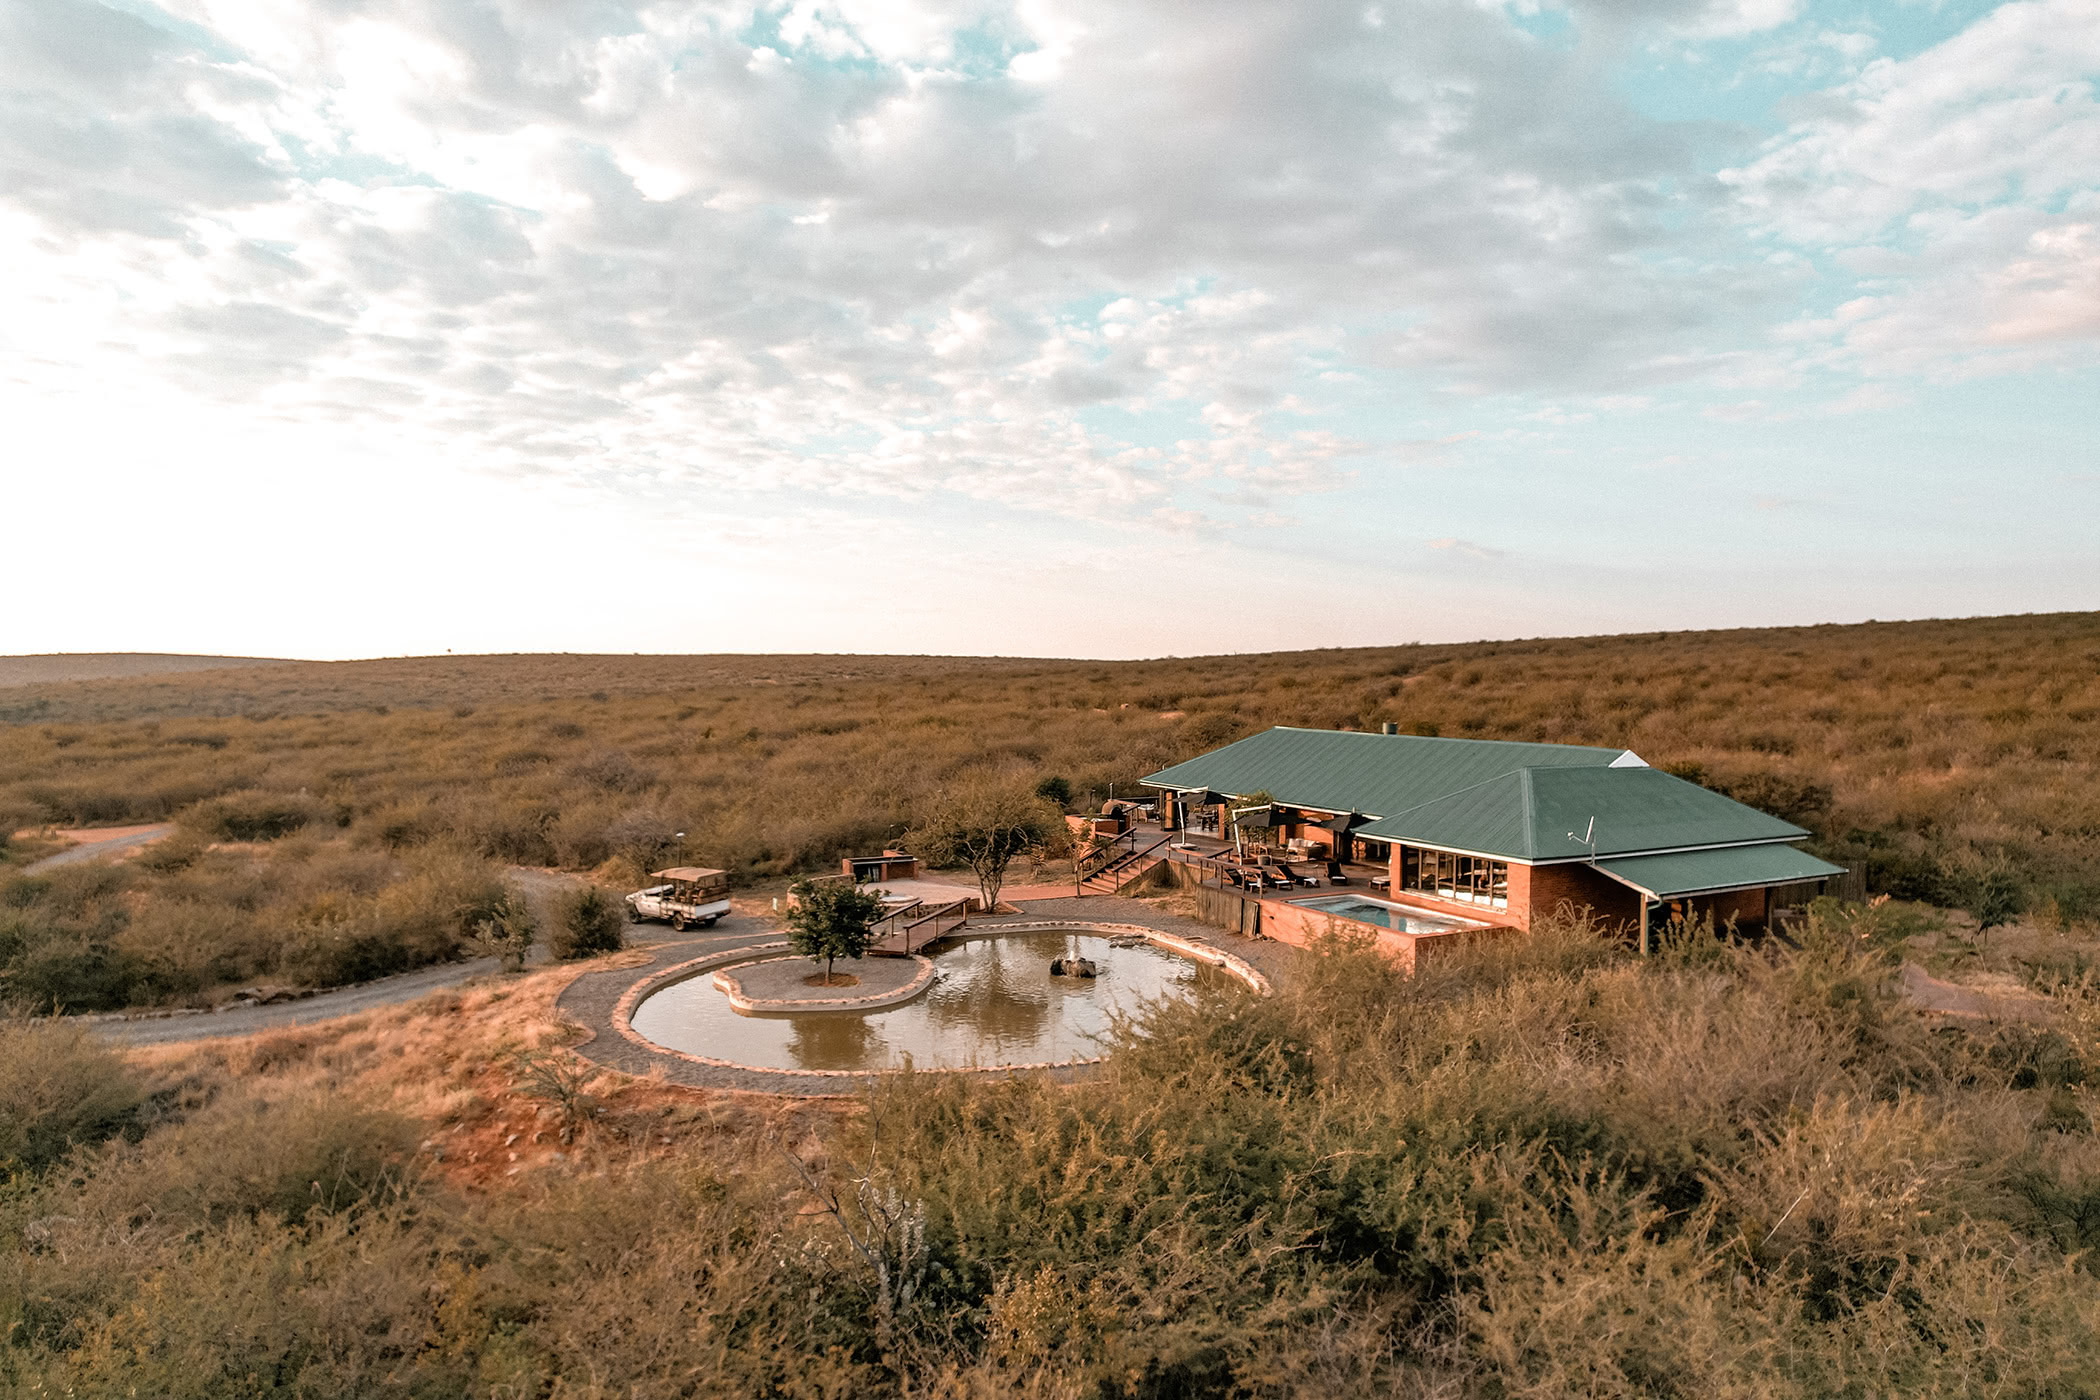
x,y
1392,916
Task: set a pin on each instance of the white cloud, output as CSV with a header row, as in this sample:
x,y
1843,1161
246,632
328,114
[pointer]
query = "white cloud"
x,y
1963,186
1182,266
843,246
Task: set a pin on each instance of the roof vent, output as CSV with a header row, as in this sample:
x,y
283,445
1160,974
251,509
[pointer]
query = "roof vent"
x,y
1629,759
1389,727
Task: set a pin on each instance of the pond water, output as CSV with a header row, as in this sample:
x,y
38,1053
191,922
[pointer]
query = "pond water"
x,y
993,1002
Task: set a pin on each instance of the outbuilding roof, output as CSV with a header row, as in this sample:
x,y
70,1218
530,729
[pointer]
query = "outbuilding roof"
x,y
1332,770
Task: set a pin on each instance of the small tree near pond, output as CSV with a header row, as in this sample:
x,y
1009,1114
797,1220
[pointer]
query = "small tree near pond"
x,y
1995,899
831,919
984,826
589,924
506,932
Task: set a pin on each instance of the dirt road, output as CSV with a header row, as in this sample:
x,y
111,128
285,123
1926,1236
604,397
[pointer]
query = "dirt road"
x,y
94,844
248,1020
540,888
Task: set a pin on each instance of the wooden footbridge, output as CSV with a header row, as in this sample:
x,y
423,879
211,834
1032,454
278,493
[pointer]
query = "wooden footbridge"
x,y
911,928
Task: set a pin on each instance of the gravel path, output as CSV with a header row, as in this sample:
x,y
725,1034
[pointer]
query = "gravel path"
x,y
124,840
2009,1002
162,1028
181,1026
592,999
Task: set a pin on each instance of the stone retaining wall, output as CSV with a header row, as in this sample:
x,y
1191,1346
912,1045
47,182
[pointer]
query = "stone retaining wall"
x,y
732,987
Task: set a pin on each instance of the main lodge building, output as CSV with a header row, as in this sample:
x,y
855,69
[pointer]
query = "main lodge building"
x,y
1504,833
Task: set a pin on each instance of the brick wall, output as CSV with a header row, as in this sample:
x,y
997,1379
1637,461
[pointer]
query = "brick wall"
x,y
1302,928
1546,887
1745,907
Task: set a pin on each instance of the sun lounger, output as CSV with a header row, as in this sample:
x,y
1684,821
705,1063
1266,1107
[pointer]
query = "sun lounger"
x,y
1335,874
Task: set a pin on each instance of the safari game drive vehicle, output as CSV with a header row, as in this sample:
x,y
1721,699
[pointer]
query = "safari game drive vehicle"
x,y
690,896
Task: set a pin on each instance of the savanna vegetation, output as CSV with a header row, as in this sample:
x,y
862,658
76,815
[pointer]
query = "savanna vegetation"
x,y
340,817
1541,1168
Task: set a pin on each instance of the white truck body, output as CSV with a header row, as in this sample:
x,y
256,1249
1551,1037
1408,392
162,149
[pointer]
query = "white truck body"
x,y
691,896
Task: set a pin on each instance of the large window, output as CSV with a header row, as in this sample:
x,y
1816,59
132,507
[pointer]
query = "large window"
x,y
1447,875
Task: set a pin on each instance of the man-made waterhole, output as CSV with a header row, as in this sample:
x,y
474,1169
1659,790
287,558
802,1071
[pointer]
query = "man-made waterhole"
x,y
992,1002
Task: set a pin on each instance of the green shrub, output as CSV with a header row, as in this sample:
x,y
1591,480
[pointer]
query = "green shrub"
x,y
506,931
178,851
256,816
16,815
587,922
60,933
59,1088
1543,1167
253,1153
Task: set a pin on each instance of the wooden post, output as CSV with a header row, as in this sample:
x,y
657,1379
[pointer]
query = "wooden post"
x,y
1644,925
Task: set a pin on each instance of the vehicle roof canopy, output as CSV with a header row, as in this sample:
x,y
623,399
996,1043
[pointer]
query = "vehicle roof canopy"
x,y
689,872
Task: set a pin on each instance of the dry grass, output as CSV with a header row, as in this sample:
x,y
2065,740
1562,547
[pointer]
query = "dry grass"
x,y
451,1063
186,919
1925,755
62,667
1541,1169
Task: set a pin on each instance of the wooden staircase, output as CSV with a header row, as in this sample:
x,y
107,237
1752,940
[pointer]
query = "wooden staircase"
x,y
1110,870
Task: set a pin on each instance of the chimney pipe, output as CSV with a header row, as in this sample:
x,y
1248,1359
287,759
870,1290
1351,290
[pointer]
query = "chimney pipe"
x,y
1390,727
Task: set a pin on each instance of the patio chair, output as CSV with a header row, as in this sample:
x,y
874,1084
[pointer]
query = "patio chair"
x,y
1335,874
1301,877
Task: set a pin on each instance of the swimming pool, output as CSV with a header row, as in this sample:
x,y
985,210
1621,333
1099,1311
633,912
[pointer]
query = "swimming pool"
x,y
1392,916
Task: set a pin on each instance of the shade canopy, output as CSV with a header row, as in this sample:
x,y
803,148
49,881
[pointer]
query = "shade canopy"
x,y
1683,873
689,872
1345,823
1259,819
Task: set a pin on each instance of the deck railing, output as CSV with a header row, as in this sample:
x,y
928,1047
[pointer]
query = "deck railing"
x,y
1101,857
935,923
895,920
1228,874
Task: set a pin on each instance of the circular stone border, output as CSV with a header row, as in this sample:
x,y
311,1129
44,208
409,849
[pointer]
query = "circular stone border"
x,y
730,987
623,1012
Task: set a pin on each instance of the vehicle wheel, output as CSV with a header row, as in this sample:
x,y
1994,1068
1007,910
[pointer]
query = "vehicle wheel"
x,y
678,922
634,915
709,921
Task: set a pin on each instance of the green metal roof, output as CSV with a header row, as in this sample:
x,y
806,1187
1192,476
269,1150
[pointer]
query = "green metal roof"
x,y
1376,774
1541,814
1683,873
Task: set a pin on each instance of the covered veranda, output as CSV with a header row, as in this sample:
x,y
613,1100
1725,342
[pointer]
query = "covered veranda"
x,y
1265,850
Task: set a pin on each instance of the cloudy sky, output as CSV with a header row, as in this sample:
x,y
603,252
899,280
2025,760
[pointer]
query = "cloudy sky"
x,y
355,327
